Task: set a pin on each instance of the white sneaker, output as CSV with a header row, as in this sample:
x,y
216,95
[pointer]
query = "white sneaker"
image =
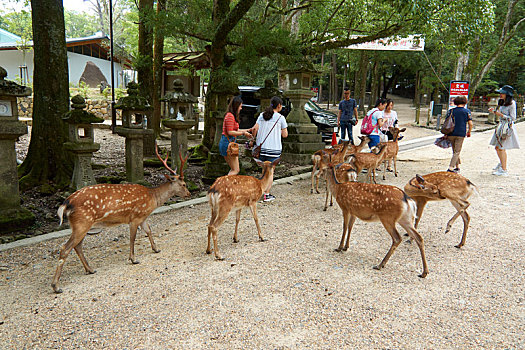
x,y
498,167
501,172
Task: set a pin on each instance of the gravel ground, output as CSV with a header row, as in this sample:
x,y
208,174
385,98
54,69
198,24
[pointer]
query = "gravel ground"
x,y
291,291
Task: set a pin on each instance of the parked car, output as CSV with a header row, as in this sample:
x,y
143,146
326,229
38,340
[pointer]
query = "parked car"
x,y
251,108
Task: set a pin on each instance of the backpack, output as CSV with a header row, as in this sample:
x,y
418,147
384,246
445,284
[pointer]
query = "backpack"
x,y
367,126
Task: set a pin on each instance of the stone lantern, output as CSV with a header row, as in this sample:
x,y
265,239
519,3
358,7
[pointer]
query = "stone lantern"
x,y
303,138
266,93
12,214
135,109
180,119
493,103
81,141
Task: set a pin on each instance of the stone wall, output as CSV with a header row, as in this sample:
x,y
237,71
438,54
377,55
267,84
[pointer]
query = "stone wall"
x,y
101,108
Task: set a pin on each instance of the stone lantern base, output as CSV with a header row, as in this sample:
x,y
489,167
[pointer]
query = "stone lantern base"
x,y
13,219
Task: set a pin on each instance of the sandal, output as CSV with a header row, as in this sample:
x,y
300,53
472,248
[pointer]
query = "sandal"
x,y
389,170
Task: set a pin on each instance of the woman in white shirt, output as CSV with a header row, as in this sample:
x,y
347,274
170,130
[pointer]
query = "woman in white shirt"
x,y
389,119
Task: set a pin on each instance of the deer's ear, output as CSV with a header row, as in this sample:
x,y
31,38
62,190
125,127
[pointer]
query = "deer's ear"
x,y
420,179
403,130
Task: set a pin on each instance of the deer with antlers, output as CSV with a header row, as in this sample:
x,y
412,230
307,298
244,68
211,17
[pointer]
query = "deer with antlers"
x,y
439,186
372,202
114,204
369,161
341,152
236,192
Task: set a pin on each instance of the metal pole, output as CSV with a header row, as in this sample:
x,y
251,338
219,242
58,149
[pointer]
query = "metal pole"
x,y
113,111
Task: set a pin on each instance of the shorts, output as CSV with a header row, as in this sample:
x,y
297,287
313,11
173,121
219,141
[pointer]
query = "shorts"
x,y
374,140
267,158
223,145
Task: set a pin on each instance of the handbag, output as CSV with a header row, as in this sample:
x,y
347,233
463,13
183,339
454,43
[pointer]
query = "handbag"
x,y
233,148
503,130
449,124
256,151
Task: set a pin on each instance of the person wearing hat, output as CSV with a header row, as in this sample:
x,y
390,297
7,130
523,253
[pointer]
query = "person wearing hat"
x,y
506,112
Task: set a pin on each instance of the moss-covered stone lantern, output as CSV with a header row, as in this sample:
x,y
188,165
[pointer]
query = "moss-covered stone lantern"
x,y
12,214
303,138
266,93
81,141
134,109
180,119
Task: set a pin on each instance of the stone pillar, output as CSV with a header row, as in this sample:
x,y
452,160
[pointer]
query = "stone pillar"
x,y
12,214
493,102
303,138
179,140
134,108
216,166
81,142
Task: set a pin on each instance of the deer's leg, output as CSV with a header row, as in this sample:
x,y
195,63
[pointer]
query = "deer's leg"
x,y
394,160
349,229
147,229
222,214
237,219
83,259
314,169
346,220
396,240
326,198
462,210
317,176
76,237
419,212
253,208
132,235
407,225
210,225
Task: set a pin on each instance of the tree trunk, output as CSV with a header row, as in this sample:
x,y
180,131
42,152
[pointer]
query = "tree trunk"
x,y
335,93
47,160
145,48
320,99
157,65
375,81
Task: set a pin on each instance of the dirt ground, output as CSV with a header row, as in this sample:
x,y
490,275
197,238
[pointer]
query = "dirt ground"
x,y
291,291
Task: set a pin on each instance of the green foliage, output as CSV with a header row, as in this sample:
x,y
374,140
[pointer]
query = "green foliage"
x,y
79,24
83,89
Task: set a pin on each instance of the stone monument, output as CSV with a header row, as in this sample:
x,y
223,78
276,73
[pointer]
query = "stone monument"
x,y
12,214
81,141
134,108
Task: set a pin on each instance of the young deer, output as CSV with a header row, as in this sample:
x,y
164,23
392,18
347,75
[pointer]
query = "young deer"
x,y
443,185
369,161
319,165
108,205
371,202
236,192
392,148
344,172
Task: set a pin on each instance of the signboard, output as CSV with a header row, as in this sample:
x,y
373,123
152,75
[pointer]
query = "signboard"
x,y
457,88
410,43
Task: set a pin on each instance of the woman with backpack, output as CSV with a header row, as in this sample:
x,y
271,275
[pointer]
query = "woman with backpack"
x,y
373,121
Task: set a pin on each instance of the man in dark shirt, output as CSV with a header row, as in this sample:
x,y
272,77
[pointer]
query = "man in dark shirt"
x,y
347,116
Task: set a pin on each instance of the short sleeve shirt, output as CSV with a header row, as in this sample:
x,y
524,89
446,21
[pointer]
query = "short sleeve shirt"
x,y
461,116
229,124
377,114
347,109
272,147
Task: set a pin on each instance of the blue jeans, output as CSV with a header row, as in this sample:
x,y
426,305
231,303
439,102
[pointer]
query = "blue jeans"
x,y
223,145
374,140
345,126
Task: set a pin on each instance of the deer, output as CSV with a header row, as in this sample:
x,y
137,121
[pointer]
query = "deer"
x,y
106,205
374,202
392,148
236,192
344,172
439,186
319,166
369,161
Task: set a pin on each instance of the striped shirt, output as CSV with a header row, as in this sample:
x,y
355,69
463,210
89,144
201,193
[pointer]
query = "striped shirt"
x,y
229,124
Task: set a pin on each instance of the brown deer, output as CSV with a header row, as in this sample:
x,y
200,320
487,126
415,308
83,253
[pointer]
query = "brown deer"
x,y
344,172
439,186
114,204
369,161
392,148
236,192
319,165
372,202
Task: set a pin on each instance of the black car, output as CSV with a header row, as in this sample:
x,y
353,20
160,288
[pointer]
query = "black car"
x,y
251,108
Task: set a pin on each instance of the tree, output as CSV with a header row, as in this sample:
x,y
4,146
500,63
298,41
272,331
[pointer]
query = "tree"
x,y
47,162
144,61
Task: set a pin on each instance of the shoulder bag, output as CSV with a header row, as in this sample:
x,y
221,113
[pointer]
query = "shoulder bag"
x,y
449,124
256,151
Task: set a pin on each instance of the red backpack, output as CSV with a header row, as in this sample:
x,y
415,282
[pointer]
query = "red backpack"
x,y
367,126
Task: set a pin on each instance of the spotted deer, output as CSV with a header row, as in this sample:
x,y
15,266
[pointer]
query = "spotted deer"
x,y
236,192
344,172
392,148
439,186
319,165
369,161
114,204
372,202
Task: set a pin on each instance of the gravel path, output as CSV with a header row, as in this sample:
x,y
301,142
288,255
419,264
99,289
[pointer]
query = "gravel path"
x,y
292,291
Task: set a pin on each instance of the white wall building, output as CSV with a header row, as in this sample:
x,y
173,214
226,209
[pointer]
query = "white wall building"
x,y
80,51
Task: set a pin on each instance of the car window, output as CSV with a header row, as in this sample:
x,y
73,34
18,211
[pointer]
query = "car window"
x,y
313,106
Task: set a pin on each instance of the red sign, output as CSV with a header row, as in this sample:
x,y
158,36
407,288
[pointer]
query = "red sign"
x,y
459,88
315,89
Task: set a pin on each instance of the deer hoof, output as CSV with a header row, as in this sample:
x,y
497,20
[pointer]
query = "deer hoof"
x,y
262,239
311,190
395,174
338,249
376,267
458,246
235,240
325,208
156,250
219,258
134,262
56,290
90,272
423,275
